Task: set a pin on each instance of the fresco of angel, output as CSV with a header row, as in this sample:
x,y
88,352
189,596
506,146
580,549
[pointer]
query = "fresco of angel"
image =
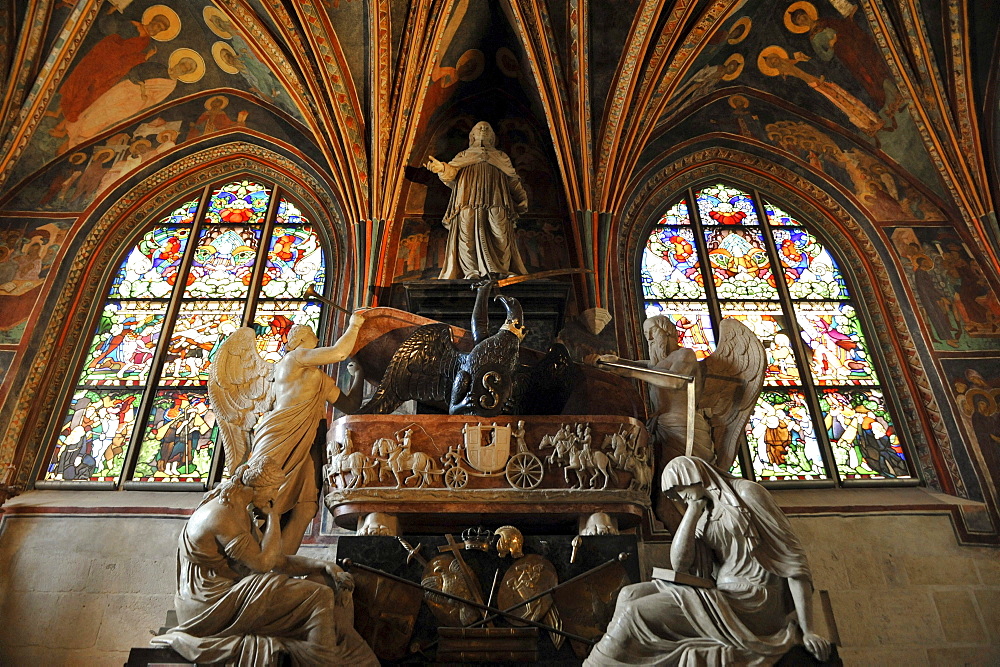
x,y
727,385
273,410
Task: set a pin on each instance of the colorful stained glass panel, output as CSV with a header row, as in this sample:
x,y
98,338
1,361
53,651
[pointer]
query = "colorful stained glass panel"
x,y
723,205
864,441
294,261
839,353
766,320
778,217
223,263
693,322
121,352
200,328
179,440
275,319
94,436
670,266
150,269
242,202
676,215
289,214
782,439
810,271
740,266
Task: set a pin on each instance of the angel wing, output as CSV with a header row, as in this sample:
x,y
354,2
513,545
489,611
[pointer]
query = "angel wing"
x,y
423,368
239,389
734,375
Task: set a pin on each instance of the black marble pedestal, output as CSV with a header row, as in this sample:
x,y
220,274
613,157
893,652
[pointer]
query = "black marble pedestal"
x,y
382,608
451,302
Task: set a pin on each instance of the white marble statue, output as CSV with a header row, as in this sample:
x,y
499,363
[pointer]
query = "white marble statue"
x,y
239,600
290,397
486,198
761,605
727,384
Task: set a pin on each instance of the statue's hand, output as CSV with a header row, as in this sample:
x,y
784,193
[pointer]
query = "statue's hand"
x,y
434,165
592,359
818,646
357,319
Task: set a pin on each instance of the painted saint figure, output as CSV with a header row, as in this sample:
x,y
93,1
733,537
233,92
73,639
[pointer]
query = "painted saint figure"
x,y
487,197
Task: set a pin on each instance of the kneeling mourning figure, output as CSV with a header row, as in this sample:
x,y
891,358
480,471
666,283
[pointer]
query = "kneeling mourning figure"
x,y
760,607
240,600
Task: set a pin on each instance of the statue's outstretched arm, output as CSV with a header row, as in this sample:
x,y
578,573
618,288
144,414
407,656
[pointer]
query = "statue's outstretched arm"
x,y
337,352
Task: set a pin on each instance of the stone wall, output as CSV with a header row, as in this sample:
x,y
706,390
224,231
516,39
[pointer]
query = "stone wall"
x,y
82,585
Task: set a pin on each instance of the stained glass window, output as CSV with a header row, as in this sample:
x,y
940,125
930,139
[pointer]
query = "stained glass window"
x,y
140,411
822,415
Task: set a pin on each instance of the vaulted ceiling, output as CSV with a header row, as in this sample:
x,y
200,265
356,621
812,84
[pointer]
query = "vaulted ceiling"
x,y
894,99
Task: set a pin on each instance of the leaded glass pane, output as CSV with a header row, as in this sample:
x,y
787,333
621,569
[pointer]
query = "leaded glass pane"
x,y
739,262
223,262
724,205
294,261
782,439
810,271
864,441
275,319
199,330
242,202
150,269
179,440
839,353
778,217
670,266
767,321
121,352
693,322
94,436
677,215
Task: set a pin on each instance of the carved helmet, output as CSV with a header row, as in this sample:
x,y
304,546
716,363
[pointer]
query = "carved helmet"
x,y
511,541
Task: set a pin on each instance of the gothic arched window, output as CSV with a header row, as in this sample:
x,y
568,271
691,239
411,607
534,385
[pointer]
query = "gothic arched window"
x,y
823,413
139,411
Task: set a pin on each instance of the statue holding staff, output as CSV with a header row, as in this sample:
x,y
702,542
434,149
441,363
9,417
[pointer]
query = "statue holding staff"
x,y
486,198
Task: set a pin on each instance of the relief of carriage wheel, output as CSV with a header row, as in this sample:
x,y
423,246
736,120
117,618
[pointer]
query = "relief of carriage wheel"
x,y
456,477
524,471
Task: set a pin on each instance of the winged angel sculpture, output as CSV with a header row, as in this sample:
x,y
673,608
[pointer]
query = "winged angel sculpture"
x,y
486,381
727,384
274,410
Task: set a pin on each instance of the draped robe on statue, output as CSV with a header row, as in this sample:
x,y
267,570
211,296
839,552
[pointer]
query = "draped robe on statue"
x,y
246,621
287,436
486,198
746,618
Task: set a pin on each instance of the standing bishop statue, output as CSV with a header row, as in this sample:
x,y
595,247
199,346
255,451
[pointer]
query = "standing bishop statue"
x,y
486,198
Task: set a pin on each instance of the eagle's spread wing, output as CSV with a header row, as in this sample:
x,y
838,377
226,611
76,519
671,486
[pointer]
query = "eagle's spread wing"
x,y
423,368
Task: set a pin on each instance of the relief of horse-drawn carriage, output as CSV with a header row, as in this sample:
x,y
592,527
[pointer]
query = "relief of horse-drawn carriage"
x,y
485,452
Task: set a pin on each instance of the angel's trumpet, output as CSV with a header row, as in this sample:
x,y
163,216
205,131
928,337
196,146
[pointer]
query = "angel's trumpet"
x,y
313,295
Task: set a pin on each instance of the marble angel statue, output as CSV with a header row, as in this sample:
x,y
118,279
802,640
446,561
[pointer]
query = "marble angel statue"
x,y
275,409
727,384
760,605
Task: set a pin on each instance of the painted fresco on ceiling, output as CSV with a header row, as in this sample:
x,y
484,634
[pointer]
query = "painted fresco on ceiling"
x,y
821,57
347,18
6,357
885,194
137,58
975,384
424,241
960,309
76,179
28,250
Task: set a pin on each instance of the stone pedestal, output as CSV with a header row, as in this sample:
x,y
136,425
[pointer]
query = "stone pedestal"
x,y
451,301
